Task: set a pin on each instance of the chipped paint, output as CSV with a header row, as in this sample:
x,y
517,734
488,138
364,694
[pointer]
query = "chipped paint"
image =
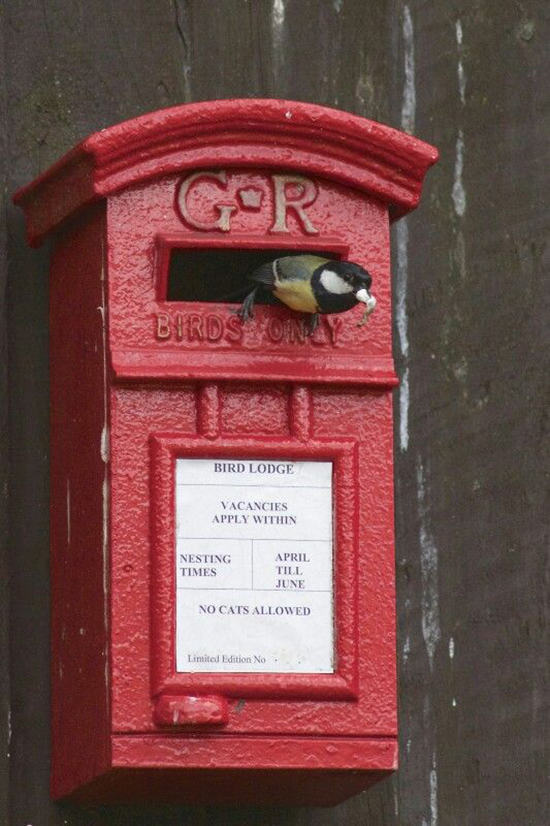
x,y
104,447
402,232
365,92
68,512
408,109
526,29
431,630
182,28
402,241
459,193
408,115
460,370
277,41
461,72
277,22
433,793
105,486
404,401
406,649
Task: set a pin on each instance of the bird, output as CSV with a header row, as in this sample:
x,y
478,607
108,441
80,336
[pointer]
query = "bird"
x,y
312,285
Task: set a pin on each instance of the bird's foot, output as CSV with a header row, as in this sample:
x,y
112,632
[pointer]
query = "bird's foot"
x,y
245,311
311,324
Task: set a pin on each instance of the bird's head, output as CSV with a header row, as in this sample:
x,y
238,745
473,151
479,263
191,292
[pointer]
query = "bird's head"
x,y
341,277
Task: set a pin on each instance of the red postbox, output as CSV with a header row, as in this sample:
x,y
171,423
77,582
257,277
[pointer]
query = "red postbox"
x,y
223,625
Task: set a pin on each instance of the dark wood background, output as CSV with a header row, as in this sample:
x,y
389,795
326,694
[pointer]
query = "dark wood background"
x,y
472,345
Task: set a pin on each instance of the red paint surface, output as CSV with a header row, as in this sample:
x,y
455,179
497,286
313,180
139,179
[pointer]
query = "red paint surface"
x,y
174,378
79,561
281,134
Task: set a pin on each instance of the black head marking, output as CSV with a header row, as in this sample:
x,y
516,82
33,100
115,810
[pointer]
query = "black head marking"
x,y
355,275
339,297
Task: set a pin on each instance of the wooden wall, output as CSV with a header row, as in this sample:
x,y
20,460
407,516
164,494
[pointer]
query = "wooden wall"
x,y
471,342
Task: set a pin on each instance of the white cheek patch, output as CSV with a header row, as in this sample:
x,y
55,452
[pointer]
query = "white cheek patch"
x,y
333,283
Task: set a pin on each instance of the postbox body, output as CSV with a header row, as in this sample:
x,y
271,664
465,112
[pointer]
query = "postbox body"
x,y
223,621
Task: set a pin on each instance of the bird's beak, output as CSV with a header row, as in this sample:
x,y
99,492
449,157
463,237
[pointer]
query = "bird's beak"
x,y
365,297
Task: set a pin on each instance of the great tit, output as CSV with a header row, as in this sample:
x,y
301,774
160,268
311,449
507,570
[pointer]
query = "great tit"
x,y
310,284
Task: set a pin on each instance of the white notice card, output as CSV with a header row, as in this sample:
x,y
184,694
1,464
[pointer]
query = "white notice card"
x,y
254,566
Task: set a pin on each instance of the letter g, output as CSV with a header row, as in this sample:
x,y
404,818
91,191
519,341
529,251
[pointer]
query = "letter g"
x,y
225,210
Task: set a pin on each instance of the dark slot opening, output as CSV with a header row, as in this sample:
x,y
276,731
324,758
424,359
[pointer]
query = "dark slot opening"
x,y
220,275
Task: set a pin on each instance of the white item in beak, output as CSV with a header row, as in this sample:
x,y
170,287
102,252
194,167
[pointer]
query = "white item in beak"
x,y
364,296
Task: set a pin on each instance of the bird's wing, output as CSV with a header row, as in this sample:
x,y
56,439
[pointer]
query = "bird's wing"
x,y
264,275
291,268
298,267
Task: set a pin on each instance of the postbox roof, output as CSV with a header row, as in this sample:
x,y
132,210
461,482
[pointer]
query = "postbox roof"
x,y
383,162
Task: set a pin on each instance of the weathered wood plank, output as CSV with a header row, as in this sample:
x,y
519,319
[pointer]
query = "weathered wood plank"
x,y
472,445
4,451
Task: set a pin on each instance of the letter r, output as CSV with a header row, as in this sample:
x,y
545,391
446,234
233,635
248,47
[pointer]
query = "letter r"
x,y
308,194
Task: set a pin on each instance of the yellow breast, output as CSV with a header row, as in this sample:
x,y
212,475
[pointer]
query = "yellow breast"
x,y
297,295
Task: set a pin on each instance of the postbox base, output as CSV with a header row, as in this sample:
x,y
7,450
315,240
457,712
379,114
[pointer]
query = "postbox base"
x,y
145,770
200,787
